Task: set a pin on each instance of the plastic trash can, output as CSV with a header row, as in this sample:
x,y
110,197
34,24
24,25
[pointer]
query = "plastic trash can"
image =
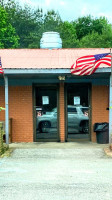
x,y
102,132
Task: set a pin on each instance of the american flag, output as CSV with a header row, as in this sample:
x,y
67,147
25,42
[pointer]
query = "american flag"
x,y
87,65
1,70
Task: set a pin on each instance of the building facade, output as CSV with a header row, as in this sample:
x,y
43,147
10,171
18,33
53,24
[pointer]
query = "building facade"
x,y
46,102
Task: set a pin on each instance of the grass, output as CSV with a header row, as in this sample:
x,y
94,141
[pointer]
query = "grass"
x,y
6,151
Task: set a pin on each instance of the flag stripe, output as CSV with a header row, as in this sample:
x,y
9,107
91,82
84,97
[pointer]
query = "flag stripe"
x,y
87,65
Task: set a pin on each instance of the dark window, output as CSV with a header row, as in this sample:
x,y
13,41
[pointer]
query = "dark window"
x,y
72,110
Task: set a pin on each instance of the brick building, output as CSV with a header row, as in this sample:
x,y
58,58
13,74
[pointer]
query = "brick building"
x,y
46,102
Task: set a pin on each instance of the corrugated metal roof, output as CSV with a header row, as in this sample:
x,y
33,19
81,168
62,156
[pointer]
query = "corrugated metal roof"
x,y
44,58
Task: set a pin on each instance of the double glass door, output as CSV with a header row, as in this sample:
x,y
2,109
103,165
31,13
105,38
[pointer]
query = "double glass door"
x,y
78,111
46,113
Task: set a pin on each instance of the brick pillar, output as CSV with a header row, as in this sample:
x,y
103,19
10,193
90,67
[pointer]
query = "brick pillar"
x,y
100,103
20,110
61,113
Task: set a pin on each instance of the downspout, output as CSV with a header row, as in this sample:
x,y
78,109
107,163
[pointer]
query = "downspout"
x,y
110,104
6,110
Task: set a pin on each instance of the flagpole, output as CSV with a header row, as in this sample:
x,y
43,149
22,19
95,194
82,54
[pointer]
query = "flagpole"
x,y
111,63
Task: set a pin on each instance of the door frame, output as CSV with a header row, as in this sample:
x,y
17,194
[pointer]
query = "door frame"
x,y
52,86
66,114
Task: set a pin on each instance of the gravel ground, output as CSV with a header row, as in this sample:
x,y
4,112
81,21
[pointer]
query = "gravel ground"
x,y
57,172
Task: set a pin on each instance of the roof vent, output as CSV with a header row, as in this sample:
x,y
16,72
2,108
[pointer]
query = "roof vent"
x,y
51,40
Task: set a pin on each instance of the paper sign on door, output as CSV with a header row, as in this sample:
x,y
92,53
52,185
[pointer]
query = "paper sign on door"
x,y
77,100
45,100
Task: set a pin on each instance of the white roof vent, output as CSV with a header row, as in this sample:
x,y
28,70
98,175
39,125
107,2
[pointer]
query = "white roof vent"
x,y
51,40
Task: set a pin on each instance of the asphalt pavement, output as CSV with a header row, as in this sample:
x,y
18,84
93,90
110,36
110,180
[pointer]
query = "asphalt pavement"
x,y
57,171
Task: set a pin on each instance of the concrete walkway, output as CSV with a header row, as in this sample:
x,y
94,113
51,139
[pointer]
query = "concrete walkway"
x,y
57,171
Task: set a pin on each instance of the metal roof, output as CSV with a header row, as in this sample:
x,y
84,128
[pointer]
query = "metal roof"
x,y
45,58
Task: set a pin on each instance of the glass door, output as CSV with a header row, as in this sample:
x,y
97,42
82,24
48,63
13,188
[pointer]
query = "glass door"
x,y
46,113
77,111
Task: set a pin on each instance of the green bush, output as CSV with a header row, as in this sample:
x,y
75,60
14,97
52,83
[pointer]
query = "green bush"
x,y
1,139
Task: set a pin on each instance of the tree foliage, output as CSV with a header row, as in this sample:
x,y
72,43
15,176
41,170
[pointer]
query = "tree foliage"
x,y
95,40
24,22
52,21
68,35
86,25
8,37
22,27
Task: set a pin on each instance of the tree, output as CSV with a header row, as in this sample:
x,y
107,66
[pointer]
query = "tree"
x,y
26,22
95,40
29,24
8,37
83,26
86,25
68,35
52,21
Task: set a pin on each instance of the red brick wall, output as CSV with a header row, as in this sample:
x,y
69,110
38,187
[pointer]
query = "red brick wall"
x,y
61,113
20,110
100,101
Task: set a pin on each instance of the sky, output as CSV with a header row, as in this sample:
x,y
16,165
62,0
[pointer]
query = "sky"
x,y
72,9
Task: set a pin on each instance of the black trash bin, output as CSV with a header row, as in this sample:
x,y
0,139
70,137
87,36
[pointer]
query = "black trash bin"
x,y
102,132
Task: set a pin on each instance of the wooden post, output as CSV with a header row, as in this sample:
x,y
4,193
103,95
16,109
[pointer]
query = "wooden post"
x,y
61,112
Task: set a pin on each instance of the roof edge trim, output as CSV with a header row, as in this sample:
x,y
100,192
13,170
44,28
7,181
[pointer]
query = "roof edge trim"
x,y
47,71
